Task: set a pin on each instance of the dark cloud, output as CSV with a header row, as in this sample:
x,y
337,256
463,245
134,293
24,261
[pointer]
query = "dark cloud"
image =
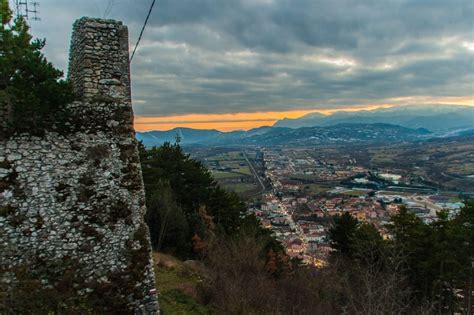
x,y
208,56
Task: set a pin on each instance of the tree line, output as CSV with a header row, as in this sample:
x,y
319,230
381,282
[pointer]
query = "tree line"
x,y
423,267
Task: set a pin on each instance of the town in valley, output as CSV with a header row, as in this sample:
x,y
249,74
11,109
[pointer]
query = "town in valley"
x,y
295,191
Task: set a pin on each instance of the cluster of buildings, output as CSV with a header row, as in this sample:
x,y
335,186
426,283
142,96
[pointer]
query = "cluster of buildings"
x,y
302,224
304,239
285,171
301,220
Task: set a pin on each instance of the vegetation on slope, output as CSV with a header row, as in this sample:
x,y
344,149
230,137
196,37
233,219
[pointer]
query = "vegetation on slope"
x,y
178,285
185,204
424,268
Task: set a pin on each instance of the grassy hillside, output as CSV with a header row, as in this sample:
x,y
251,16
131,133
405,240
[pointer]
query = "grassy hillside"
x,y
177,284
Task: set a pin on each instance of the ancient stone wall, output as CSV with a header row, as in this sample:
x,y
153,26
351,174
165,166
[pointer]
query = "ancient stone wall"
x,y
98,61
72,201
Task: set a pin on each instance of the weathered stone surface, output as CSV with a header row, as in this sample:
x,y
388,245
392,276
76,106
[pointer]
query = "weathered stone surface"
x,y
98,65
78,196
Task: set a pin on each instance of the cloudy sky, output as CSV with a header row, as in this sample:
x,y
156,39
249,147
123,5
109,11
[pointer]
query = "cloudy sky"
x,y
231,64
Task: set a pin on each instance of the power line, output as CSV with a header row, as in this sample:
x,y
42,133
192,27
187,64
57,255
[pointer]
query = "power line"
x,y
109,7
143,29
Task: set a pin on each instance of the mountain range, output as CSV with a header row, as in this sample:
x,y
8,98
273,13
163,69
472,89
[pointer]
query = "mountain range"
x,y
436,118
403,123
268,136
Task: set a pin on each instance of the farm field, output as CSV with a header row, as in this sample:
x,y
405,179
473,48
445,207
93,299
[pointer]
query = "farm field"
x,y
315,189
444,162
230,169
219,175
241,188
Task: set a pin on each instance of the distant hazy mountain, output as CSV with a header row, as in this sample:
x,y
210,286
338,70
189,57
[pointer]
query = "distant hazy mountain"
x,y
437,118
338,134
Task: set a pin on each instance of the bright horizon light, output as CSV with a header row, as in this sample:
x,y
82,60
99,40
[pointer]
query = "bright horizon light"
x,y
247,121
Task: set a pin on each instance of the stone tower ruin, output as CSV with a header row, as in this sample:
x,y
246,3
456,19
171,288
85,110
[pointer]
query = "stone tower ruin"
x,y
72,201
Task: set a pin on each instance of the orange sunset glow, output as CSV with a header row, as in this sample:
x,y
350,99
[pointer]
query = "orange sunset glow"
x,y
230,122
246,121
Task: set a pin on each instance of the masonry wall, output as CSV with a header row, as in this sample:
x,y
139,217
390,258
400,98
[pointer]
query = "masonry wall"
x,y
72,201
98,61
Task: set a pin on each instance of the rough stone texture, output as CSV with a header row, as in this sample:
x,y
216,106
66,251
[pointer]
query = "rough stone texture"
x,y
78,196
98,65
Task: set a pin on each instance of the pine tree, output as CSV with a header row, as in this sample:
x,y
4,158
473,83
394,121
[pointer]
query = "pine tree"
x,y
30,86
181,197
342,233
